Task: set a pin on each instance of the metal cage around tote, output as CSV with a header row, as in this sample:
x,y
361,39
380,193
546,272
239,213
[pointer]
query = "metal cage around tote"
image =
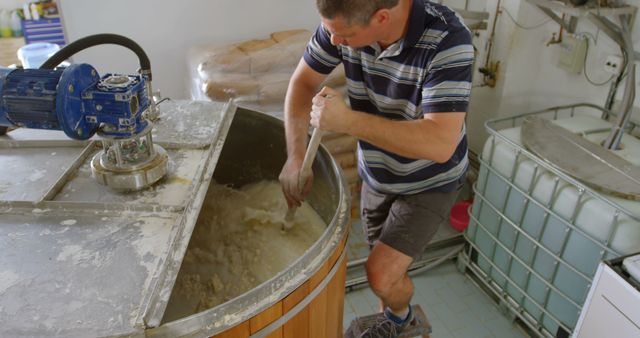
x,y
536,235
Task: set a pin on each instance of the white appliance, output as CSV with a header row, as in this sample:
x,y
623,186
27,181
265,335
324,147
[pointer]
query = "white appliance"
x,y
612,308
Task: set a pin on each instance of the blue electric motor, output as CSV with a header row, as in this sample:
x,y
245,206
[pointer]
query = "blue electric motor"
x,y
75,100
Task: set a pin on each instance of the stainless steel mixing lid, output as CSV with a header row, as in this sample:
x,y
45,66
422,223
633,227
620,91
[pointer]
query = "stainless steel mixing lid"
x,y
79,259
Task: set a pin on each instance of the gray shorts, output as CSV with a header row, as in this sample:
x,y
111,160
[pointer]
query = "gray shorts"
x,y
404,222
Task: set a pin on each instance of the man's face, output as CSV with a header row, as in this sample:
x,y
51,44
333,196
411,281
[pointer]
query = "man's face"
x,y
355,36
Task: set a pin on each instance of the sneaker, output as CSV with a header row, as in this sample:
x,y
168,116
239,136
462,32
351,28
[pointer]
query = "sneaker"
x,y
385,327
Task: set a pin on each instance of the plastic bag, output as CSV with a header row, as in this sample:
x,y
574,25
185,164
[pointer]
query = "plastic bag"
x,y
256,72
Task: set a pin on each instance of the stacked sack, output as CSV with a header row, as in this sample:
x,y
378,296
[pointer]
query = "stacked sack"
x,y
256,72
343,148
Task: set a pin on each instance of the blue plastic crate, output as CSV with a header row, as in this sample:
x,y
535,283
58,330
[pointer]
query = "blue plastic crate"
x,y
43,30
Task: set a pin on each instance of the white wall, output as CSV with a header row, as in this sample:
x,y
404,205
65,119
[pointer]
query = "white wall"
x,y
167,29
12,4
534,76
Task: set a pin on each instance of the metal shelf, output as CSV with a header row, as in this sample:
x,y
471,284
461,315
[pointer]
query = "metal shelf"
x,y
473,19
583,11
600,16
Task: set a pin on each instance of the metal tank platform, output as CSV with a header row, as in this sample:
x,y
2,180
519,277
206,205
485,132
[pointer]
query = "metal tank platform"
x,y
79,259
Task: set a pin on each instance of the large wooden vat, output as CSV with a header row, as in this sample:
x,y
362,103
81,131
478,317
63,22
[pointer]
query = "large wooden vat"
x,y
307,298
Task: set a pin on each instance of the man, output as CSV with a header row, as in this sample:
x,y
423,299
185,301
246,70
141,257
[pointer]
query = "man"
x,y
408,65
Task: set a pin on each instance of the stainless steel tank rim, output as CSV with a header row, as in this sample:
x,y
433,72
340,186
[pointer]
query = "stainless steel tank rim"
x,y
245,306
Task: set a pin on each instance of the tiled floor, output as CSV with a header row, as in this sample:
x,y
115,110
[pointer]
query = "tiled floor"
x,y
454,305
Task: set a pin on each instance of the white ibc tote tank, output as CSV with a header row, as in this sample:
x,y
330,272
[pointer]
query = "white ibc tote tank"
x,y
536,234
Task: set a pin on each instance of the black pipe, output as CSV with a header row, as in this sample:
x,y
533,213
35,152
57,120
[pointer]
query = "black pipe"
x,y
99,39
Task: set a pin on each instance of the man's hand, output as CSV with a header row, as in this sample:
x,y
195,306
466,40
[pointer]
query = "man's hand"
x,y
329,111
303,86
290,181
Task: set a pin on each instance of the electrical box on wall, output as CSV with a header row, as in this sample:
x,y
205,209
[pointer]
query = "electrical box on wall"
x,y
572,53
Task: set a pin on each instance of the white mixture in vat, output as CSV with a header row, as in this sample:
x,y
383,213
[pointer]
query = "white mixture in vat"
x,y
237,244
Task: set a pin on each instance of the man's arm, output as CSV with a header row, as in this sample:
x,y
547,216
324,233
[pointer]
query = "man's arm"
x,y
303,86
435,137
297,105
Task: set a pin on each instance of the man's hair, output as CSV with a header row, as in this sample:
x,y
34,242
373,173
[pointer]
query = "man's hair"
x,y
353,11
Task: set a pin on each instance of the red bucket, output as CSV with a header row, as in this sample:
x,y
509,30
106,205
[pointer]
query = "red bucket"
x,y
459,217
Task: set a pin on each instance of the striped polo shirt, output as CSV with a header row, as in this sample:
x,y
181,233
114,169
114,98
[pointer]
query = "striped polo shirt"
x,y
428,71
